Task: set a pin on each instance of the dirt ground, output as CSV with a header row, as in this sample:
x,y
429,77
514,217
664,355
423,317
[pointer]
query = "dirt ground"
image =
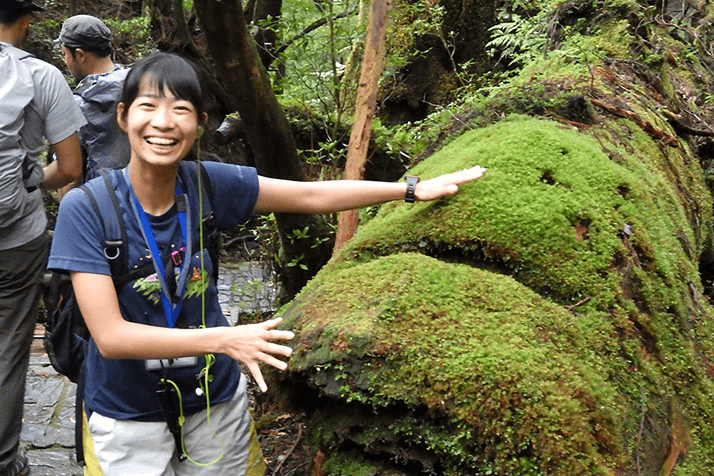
x,y
283,437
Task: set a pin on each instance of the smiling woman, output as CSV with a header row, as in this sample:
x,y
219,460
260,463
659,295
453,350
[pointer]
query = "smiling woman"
x,y
163,127
156,342
161,120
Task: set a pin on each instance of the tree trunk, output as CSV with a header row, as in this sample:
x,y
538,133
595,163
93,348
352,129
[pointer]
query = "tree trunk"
x,y
266,14
182,28
364,112
269,133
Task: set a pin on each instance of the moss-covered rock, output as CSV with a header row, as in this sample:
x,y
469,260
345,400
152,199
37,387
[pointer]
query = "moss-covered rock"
x,y
547,319
464,363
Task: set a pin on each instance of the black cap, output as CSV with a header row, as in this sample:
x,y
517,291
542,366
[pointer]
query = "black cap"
x,y
19,6
84,31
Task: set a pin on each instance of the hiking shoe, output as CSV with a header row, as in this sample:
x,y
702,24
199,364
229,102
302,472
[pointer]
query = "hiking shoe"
x,y
19,466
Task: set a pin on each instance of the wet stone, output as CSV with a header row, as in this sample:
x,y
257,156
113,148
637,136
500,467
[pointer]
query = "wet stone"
x,y
51,436
32,433
42,396
53,463
247,288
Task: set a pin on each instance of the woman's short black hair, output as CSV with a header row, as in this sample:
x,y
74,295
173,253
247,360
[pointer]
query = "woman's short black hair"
x,y
167,70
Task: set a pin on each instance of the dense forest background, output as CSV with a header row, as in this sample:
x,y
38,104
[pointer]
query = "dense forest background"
x,y
553,319
301,68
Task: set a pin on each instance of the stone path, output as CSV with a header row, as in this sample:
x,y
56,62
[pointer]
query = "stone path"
x,y
48,428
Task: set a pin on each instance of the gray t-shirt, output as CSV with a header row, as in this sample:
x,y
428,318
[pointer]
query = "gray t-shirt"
x,y
51,116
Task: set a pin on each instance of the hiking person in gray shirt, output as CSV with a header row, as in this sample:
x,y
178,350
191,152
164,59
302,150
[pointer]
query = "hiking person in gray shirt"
x,y
37,107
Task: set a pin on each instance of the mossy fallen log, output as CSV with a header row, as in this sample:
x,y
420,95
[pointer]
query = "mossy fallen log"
x,y
548,319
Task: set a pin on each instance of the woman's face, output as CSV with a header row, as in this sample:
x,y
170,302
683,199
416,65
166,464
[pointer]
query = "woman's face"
x,y
161,127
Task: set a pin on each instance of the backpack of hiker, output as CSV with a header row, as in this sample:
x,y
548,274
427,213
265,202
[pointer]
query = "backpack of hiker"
x,y
66,338
16,92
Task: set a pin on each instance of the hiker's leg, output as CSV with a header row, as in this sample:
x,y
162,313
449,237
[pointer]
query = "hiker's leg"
x,y
21,272
127,447
232,431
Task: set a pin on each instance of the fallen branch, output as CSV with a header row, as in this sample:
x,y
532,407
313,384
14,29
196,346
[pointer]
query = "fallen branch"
x,y
573,306
314,26
645,125
680,126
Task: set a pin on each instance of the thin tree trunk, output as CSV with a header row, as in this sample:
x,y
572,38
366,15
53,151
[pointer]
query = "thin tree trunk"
x,y
364,112
182,28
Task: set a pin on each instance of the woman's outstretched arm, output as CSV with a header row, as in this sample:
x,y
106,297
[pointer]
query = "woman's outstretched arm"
x,y
338,195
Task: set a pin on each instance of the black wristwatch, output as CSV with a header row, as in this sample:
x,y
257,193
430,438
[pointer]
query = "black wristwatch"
x,y
412,181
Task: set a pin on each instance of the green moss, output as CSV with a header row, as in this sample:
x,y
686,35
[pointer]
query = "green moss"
x,y
477,347
614,39
478,365
512,382
550,208
351,464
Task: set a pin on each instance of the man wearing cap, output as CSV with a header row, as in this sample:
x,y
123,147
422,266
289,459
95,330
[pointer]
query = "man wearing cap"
x,y
37,106
87,47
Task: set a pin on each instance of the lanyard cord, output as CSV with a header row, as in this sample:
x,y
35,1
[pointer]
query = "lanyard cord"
x,y
184,215
204,377
200,241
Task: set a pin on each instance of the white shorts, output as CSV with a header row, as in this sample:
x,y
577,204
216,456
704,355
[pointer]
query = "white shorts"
x,y
128,448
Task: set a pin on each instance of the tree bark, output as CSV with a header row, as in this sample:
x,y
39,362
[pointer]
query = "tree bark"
x,y
182,28
364,112
266,15
269,134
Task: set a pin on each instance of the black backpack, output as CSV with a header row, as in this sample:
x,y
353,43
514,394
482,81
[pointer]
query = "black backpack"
x,y
66,337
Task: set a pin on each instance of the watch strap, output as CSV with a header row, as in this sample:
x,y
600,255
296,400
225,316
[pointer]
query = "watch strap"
x,y
412,181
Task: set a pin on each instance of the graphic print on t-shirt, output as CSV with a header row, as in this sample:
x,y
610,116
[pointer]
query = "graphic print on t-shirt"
x,y
150,287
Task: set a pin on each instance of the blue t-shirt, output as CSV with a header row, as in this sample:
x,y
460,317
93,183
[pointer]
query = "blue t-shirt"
x,y
123,388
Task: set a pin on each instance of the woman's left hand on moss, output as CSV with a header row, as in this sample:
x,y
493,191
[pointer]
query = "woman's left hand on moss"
x,y
447,184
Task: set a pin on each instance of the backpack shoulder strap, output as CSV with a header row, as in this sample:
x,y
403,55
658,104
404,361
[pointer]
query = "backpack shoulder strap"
x,y
104,201
192,169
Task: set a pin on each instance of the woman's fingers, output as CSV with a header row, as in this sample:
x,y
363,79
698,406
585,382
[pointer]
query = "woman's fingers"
x,y
260,348
257,376
447,184
466,175
277,349
273,361
281,335
254,367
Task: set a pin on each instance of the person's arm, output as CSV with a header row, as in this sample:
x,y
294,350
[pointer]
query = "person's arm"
x,y
333,196
62,191
68,165
117,338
